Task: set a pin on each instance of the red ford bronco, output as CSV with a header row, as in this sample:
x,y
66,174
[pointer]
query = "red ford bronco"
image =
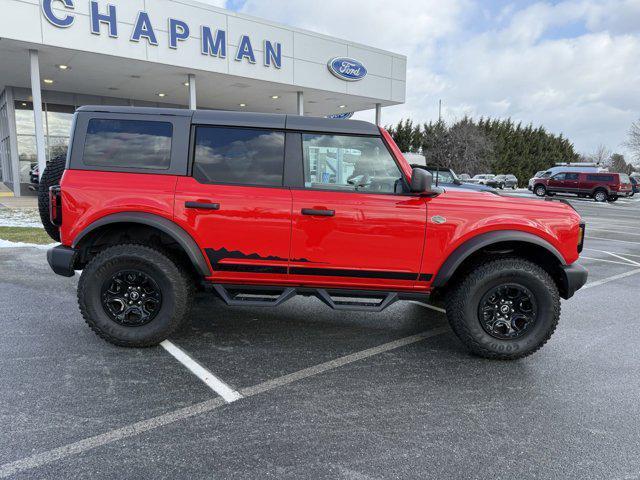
x,y
152,204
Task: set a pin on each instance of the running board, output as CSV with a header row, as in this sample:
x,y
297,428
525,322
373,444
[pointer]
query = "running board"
x,y
337,299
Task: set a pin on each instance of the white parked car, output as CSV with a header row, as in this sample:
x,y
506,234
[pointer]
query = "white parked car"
x,y
481,178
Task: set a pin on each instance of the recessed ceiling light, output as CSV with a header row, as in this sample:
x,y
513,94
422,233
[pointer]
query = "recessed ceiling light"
x,y
275,97
48,81
343,106
64,67
242,104
24,104
162,94
186,84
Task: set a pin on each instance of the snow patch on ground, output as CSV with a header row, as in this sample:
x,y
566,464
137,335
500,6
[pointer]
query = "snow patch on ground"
x,y
8,244
20,217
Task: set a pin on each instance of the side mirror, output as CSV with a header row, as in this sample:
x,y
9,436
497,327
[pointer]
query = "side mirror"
x,y
422,181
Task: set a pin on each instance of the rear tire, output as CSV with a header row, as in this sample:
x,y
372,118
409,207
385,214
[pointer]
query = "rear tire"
x,y
50,177
163,295
600,195
467,301
540,190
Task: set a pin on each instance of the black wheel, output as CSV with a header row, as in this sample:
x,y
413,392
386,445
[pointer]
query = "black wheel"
x,y
600,195
134,296
50,177
540,190
504,309
613,198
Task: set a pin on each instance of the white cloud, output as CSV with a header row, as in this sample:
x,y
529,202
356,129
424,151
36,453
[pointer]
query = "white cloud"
x,y
571,66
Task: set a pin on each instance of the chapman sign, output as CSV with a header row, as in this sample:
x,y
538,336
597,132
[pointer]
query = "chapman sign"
x,y
347,69
213,41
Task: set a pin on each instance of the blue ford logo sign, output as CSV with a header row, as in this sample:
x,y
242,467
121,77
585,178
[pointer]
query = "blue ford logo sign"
x,y
347,69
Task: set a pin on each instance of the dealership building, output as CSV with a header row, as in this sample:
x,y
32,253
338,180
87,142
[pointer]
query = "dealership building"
x,y
57,55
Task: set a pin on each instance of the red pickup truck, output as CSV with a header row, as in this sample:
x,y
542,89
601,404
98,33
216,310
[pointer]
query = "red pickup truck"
x,y
152,204
601,187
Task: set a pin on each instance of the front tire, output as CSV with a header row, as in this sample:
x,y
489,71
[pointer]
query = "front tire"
x,y
540,190
134,295
504,309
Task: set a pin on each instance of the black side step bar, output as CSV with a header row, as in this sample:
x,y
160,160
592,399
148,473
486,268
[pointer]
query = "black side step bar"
x,y
337,299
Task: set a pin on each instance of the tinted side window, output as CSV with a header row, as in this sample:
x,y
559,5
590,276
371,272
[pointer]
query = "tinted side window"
x,y
128,144
560,176
239,156
350,163
572,176
600,178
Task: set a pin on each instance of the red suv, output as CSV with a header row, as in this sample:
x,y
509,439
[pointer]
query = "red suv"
x,y
153,204
601,187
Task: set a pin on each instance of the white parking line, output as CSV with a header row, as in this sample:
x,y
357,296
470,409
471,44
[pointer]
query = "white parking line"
x,y
50,456
214,383
606,251
612,240
632,262
592,229
597,283
582,257
422,304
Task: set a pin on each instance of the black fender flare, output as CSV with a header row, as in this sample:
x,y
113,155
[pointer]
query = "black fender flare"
x,y
483,240
163,224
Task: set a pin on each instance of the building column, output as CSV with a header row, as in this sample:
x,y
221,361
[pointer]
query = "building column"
x,y
192,92
378,114
300,103
13,141
36,93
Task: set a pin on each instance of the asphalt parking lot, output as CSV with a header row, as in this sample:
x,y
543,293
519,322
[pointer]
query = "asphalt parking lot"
x,y
316,393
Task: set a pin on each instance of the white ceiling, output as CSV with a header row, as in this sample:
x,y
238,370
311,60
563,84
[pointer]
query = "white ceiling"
x,y
104,75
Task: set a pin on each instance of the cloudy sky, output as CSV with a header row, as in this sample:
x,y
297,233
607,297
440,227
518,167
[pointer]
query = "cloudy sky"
x,y
572,65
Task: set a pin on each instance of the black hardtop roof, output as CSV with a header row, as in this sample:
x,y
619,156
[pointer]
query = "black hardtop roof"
x,y
248,119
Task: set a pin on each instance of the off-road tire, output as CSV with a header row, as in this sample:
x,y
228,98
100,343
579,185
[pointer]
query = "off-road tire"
x,y
540,190
463,301
600,195
174,283
50,177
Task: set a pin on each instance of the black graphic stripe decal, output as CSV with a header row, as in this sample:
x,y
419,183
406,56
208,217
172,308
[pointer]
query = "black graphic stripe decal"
x,y
216,257
333,272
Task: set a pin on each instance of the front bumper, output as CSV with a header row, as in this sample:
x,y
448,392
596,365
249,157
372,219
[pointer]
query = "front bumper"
x,y
573,278
61,260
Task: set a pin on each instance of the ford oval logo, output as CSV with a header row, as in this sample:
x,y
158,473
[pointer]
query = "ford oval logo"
x,y
347,69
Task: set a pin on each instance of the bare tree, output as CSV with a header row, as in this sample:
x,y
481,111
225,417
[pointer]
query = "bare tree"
x,y
633,140
602,156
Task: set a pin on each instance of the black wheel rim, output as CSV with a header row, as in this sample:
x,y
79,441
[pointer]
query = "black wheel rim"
x,y
131,298
507,311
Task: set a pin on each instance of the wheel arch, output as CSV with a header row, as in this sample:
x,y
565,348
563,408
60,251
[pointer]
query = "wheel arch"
x,y
126,222
501,242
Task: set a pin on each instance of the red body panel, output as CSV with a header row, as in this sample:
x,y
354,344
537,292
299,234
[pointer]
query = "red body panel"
x,y
379,234
90,195
259,236
253,225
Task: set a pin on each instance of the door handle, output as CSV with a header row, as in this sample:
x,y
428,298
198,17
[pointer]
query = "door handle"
x,y
202,205
317,212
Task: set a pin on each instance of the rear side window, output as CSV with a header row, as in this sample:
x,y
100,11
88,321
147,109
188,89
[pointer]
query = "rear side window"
x,y
239,156
600,178
128,144
572,176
